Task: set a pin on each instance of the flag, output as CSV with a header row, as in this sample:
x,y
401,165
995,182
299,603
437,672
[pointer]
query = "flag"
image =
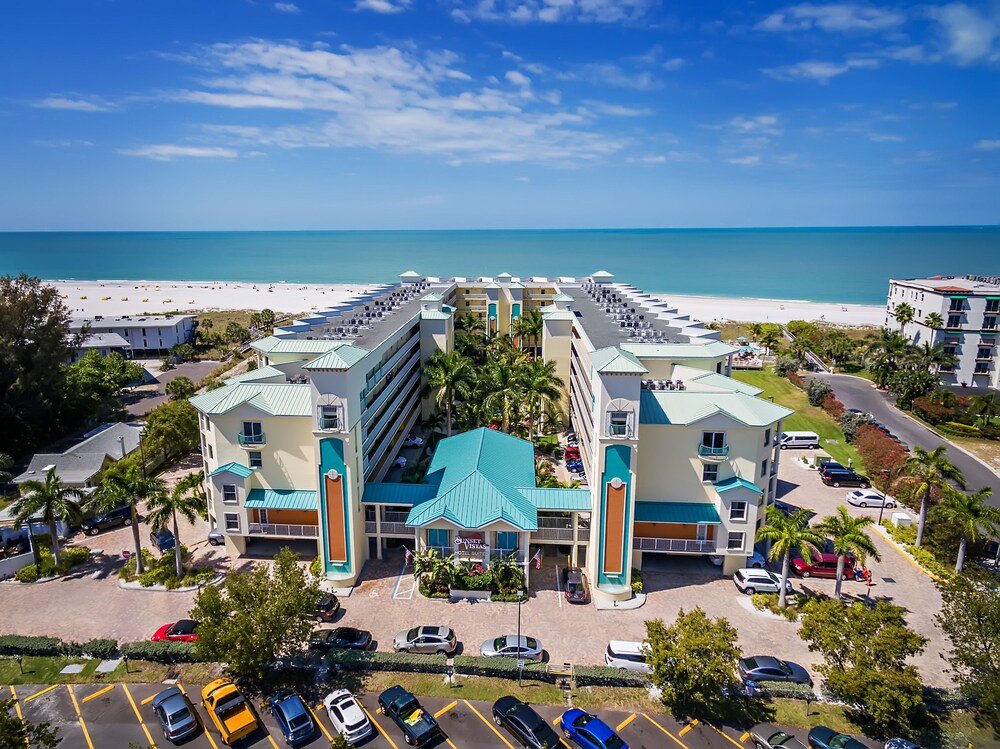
x,y
537,559
408,557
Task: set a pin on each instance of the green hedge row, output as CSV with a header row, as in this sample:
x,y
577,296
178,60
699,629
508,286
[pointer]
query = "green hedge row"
x,y
786,689
158,652
605,676
504,668
161,652
368,660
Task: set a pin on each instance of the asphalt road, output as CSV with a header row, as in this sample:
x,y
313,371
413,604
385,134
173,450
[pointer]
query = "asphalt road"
x,y
855,392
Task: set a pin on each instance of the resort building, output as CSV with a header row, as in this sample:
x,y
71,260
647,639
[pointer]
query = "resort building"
x,y
678,457
142,335
967,308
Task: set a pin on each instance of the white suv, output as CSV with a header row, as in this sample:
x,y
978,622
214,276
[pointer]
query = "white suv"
x,y
759,581
628,656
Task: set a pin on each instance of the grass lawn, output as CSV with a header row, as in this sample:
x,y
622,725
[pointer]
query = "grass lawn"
x,y
806,418
45,670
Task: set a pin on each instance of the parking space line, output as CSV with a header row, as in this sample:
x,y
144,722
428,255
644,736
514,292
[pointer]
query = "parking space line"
x,y
382,730
745,736
445,709
98,693
448,741
76,706
625,722
688,727
269,736
665,730
39,694
490,724
148,700
329,736
138,716
407,595
17,709
559,595
727,736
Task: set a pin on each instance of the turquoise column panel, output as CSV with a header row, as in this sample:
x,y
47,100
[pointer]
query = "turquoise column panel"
x,y
515,312
331,455
492,312
617,461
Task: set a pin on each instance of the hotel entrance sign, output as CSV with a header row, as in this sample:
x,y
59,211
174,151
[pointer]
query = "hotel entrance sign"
x,y
470,542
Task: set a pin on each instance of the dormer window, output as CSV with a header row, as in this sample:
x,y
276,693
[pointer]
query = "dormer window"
x,y
330,418
618,424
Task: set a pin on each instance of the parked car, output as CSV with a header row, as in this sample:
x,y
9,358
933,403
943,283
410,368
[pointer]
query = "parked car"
x,y
216,537
628,656
426,640
413,442
831,465
752,581
341,638
175,713
402,708
293,717
527,726
183,630
577,468
572,452
163,540
755,560
900,744
326,608
228,710
110,519
845,478
400,462
822,737
768,668
525,648
823,565
766,736
575,584
347,717
870,498
588,731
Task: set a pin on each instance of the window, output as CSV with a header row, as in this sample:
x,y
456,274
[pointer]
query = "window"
x,y
143,332
735,541
618,424
506,540
738,511
211,452
956,305
253,433
767,437
763,468
710,472
984,353
232,522
329,418
993,305
229,494
982,367
951,350
713,439
439,537
989,323
955,321
256,459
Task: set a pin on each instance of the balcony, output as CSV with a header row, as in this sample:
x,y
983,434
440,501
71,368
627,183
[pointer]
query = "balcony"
x,y
713,454
554,529
675,545
329,424
251,440
284,530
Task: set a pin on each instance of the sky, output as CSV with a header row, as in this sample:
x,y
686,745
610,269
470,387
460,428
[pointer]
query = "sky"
x,y
421,114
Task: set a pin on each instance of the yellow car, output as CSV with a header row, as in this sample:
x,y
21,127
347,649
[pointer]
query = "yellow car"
x,y
229,710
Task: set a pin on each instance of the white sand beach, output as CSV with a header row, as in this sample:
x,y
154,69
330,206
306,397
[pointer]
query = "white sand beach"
x,y
110,298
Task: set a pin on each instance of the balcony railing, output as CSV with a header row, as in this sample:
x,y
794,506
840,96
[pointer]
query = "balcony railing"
x,y
251,439
329,423
680,545
396,529
706,451
394,517
283,529
369,526
553,534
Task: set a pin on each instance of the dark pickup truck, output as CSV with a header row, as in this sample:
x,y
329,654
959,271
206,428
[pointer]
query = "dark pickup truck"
x,y
418,725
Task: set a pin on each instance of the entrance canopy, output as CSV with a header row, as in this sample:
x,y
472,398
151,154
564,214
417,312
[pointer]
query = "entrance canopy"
x,y
281,499
698,513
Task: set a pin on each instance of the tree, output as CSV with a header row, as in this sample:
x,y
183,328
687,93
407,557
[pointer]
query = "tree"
x,y
541,385
884,354
878,452
755,329
849,537
53,500
434,570
987,406
926,472
770,336
930,357
903,314
817,390
172,429
934,320
449,376
470,323
529,327
786,533
865,652
236,333
186,500
35,342
257,615
693,661
180,387
126,483
910,384
504,396
5,465
970,616
16,732
969,514
786,365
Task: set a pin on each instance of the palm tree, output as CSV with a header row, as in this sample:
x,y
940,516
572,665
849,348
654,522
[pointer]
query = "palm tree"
x,y
884,354
505,394
450,374
904,314
470,323
927,472
769,338
186,499
786,533
934,320
987,406
126,483
755,329
541,384
53,500
848,537
969,514
529,327
929,356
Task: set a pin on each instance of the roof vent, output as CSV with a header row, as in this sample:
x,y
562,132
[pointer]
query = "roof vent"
x,y
49,467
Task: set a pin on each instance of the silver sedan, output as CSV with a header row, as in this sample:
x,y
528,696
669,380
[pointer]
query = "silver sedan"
x,y
525,648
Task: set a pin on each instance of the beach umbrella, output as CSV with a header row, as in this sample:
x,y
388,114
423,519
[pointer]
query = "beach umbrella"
x,y
741,338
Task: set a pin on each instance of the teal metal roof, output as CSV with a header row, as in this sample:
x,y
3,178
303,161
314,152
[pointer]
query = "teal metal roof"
x,y
281,499
257,375
700,513
558,314
602,274
735,482
726,383
689,407
410,274
480,473
433,314
232,468
272,399
432,297
345,356
264,344
558,499
709,350
562,297
613,360
398,494
313,346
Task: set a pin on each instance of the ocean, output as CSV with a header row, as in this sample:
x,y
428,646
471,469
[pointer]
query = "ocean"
x,y
850,265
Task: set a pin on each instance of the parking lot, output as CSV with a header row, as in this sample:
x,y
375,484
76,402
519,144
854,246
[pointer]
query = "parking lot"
x,y
94,716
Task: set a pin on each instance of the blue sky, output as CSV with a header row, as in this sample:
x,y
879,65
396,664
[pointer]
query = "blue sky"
x,y
395,114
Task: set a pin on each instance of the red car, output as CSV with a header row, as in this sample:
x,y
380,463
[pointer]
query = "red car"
x,y
185,630
572,452
823,565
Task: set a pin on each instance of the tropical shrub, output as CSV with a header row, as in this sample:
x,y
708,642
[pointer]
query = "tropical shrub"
x,y
817,390
637,584
850,422
877,451
833,406
786,365
161,652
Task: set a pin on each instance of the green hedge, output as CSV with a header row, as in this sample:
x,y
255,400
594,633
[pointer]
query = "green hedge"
x,y
161,652
786,689
30,645
368,660
605,676
504,668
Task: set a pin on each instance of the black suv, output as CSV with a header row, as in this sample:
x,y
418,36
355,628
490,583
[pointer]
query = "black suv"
x,y
110,519
845,478
326,608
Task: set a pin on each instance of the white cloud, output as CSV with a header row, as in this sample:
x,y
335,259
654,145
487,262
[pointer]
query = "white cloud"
x,y
62,143
969,35
674,63
988,145
615,110
385,7
169,152
551,11
833,17
816,70
523,179
88,104
745,161
761,123
885,138
287,7
612,75
517,78
664,158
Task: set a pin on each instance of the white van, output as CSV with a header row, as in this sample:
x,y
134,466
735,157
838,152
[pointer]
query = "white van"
x,y
629,656
799,439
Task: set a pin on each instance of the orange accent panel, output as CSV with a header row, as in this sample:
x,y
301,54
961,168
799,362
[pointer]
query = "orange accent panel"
x,y
293,517
614,529
669,530
336,523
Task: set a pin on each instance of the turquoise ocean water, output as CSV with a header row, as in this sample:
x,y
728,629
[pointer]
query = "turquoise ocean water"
x,y
832,265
